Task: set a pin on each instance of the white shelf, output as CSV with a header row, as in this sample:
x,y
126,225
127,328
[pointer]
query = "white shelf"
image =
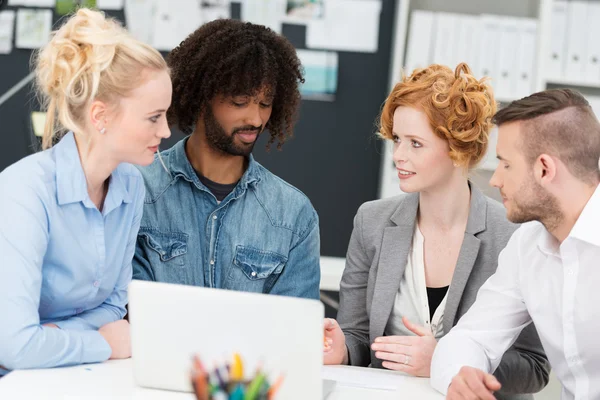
x,y
332,269
573,82
505,100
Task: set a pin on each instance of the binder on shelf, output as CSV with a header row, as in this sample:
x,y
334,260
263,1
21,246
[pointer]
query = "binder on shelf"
x,y
554,63
592,63
487,63
506,82
443,48
420,37
526,53
467,40
576,40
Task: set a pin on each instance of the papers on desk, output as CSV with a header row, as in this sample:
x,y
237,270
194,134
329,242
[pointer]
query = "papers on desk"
x,y
367,378
7,22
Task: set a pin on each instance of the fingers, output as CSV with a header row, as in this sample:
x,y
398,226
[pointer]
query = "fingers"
x,y
403,340
469,384
393,357
398,367
459,390
492,383
330,324
327,344
416,329
391,348
478,387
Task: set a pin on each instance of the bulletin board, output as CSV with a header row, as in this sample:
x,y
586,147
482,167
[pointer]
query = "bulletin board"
x,y
334,157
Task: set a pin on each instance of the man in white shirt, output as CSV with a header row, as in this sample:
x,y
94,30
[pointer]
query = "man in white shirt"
x,y
549,273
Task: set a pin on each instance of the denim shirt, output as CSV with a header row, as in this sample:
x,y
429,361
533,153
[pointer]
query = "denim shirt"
x,y
263,237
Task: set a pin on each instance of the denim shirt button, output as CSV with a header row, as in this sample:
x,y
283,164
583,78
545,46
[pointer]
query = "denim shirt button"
x,y
212,262
253,273
214,217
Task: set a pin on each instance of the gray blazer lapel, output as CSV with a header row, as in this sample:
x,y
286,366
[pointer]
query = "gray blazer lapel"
x,y
467,256
393,257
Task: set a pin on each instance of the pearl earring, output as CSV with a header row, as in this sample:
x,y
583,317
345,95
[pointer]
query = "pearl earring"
x,y
102,131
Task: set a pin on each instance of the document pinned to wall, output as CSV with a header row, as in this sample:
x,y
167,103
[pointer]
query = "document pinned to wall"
x,y
320,74
174,20
110,4
215,9
303,11
264,12
33,28
32,3
348,25
139,17
38,122
7,23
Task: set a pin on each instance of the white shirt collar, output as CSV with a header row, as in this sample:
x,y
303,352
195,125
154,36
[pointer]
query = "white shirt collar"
x,y
586,228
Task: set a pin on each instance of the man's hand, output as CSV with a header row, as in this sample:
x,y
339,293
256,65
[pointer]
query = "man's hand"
x,y
472,384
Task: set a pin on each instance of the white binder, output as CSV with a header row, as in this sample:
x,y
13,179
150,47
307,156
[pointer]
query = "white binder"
x,y
420,38
526,53
488,48
592,60
576,40
554,63
507,59
467,40
443,50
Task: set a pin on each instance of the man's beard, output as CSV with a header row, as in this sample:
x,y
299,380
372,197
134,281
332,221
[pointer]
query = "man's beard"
x,y
219,140
534,203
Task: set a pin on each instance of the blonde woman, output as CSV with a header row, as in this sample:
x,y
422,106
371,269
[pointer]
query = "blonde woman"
x,y
416,261
69,215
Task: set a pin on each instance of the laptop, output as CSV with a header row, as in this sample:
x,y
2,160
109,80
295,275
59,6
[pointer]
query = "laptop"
x,y
171,323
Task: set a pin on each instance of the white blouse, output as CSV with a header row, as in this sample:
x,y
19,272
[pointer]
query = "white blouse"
x,y
411,300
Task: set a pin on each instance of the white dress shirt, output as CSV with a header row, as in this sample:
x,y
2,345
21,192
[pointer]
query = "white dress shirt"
x,y
557,286
411,300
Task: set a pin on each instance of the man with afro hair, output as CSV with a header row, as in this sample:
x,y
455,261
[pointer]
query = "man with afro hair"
x,y
213,216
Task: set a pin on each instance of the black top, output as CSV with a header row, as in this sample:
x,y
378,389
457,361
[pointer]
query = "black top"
x,y
218,189
435,297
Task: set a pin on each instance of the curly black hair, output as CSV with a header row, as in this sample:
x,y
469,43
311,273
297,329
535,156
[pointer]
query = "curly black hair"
x,y
229,57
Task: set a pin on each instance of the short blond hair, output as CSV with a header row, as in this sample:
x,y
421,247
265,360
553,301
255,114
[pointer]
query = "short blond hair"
x,y
459,108
90,57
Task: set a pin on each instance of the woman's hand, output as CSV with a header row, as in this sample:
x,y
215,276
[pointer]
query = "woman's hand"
x,y
409,354
334,350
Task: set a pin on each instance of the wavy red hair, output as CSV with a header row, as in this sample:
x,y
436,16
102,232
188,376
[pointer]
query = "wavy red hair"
x,y
459,108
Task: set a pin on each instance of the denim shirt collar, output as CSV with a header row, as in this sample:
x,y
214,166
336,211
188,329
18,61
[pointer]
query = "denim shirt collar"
x,y
180,165
71,185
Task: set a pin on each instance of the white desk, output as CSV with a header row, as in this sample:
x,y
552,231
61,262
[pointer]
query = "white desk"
x,y
114,380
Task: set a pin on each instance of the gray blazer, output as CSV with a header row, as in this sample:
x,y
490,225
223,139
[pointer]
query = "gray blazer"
x,y
375,263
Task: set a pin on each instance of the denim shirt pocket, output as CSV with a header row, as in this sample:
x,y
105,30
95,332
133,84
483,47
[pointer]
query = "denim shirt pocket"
x,y
166,252
258,264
